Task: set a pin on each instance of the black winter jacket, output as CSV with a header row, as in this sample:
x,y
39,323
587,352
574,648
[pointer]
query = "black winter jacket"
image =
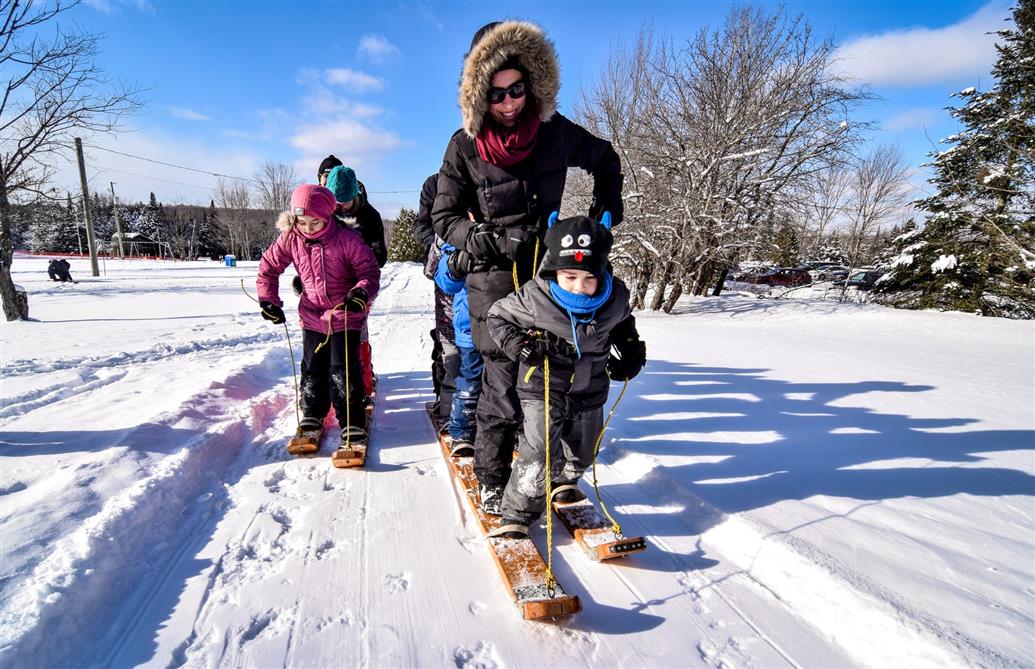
x,y
367,222
583,380
423,233
519,198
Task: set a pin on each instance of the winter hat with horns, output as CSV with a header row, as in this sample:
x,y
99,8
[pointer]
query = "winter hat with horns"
x,y
578,242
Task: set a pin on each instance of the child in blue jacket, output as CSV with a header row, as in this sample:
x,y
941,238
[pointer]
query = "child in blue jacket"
x,y
452,281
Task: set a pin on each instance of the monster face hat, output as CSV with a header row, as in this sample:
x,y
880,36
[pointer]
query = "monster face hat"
x,y
578,242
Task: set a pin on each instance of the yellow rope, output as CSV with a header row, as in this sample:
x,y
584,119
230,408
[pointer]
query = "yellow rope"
x,y
551,582
291,350
535,266
615,527
348,389
513,269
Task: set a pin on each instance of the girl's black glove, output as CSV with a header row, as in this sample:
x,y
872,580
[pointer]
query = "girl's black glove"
x,y
356,300
272,312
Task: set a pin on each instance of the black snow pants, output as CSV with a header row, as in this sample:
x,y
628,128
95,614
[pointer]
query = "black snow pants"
x,y
499,419
323,377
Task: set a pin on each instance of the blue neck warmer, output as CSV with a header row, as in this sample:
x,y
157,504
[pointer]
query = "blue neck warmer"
x,y
584,305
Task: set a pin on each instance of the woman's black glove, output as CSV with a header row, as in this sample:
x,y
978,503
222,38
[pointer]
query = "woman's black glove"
x,y
633,357
356,300
272,312
483,241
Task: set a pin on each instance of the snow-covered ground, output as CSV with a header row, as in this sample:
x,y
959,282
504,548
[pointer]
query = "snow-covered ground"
x,y
821,484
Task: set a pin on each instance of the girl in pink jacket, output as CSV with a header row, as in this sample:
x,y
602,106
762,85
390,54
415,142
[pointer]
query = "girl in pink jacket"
x,y
340,276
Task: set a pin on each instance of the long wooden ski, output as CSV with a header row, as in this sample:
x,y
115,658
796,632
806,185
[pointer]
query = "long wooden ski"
x,y
592,531
356,454
519,562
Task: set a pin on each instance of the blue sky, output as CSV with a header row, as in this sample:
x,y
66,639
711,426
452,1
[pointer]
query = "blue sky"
x,y
233,84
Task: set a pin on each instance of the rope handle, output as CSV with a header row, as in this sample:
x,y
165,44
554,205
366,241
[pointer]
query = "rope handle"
x,y
616,528
291,350
551,582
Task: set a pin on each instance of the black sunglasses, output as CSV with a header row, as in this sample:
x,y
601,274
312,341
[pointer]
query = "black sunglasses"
x,y
516,91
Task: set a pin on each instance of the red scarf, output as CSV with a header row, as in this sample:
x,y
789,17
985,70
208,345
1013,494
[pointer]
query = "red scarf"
x,y
504,147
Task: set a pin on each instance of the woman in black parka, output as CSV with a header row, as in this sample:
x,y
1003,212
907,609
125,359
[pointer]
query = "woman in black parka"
x,y
502,175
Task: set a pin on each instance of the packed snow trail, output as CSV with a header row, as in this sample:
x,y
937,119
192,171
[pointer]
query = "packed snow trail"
x,y
152,516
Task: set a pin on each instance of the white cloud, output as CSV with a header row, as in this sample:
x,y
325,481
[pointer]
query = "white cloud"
x,y
187,114
323,102
344,137
917,117
353,80
115,6
376,48
919,56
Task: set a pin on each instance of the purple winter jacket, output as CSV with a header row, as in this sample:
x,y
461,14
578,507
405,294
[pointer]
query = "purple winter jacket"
x,y
330,265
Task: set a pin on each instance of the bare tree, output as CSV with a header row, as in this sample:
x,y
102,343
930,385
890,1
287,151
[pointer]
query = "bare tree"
x,y
877,193
715,134
51,88
275,183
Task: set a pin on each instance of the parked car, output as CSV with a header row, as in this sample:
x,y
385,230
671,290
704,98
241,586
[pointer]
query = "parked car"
x,y
830,273
863,279
789,276
777,276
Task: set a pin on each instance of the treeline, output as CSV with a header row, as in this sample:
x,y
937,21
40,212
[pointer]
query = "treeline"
x,y
178,231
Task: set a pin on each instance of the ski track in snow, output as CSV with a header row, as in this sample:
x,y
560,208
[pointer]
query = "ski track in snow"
x,y
225,551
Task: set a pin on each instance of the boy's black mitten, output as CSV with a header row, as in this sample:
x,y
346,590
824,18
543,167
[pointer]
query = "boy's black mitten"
x,y
536,345
634,357
272,312
296,284
356,300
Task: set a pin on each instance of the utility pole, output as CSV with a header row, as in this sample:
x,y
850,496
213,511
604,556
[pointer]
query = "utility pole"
x,y
118,221
86,208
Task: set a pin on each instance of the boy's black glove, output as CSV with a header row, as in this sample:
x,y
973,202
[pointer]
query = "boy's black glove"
x,y
272,312
296,284
483,241
633,358
356,300
537,345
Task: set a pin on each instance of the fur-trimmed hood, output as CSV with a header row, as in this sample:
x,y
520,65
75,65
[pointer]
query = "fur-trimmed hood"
x,y
508,39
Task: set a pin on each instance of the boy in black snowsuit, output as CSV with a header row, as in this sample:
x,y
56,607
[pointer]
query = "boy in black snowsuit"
x,y
570,315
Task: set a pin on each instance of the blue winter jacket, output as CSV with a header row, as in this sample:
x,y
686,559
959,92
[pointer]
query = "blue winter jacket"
x,y
458,289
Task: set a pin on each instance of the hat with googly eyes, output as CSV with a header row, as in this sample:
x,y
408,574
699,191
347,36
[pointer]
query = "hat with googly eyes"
x,y
578,242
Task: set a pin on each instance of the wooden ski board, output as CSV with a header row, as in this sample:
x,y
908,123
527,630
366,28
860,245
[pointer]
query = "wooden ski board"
x,y
307,442
518,560
356,456
592,531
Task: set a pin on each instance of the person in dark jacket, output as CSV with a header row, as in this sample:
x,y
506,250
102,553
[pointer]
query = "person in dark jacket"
x,y
355,210
502,174
423,232
445,356
560,328
58,270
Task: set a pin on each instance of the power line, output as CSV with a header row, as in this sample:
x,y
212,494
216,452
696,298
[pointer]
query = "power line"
x,y
102,170
215,174
181,167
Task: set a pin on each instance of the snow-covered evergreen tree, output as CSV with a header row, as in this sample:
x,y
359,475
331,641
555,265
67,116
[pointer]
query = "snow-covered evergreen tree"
x,y
786,251
153,222
66,239
402,247
977,251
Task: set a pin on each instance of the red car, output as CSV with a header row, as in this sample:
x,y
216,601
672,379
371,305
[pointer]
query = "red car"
x,y
778,276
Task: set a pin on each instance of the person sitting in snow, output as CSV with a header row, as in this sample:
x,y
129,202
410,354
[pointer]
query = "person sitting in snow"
x,y
450,278
569,317
341,277
58,270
